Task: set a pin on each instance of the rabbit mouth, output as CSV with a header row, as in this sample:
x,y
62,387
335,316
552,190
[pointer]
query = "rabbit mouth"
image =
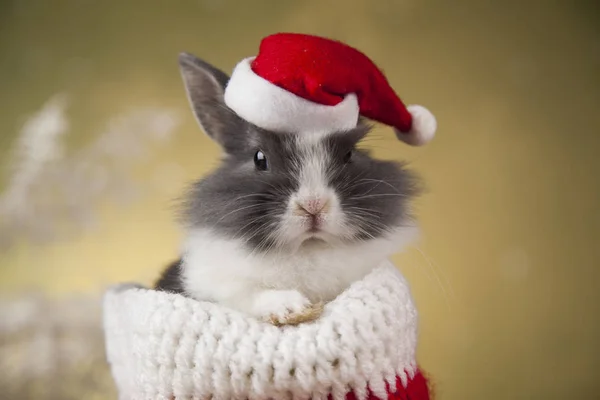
x,y
318,237
313,241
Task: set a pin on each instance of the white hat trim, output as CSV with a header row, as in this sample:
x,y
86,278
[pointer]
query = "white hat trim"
x,y
270,107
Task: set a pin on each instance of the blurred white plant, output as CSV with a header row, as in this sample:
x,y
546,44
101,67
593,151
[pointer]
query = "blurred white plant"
x,y
52,348
50,193
38,144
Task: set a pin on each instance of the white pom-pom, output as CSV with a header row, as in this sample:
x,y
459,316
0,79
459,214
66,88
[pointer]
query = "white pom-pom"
x,y
423,127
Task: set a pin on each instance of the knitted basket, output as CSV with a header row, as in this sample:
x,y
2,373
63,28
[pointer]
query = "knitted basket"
x,y
166,346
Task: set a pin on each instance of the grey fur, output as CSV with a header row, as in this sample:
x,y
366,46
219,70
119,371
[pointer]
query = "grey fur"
x,y
239,201
205,86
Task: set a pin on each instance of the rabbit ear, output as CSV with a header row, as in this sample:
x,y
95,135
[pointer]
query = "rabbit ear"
x,y
205,87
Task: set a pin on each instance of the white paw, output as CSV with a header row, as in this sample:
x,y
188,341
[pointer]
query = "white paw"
x,y
284,307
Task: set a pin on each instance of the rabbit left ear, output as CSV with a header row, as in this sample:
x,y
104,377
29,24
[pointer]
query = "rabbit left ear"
x,y
205,87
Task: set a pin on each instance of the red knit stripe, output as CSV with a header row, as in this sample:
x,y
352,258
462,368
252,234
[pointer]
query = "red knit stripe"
x,y
416,389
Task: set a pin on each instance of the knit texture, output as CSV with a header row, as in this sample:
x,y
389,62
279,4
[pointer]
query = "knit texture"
x,y
164,346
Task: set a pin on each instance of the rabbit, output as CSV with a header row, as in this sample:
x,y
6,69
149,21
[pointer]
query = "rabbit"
x,y
285,223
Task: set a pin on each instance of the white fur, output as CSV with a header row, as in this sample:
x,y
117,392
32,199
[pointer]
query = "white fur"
x,y
313,181
226,271
279,303
163,346
270,107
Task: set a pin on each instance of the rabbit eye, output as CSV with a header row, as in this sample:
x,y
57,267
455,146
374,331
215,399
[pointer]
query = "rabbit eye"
x,y
260,160
348,157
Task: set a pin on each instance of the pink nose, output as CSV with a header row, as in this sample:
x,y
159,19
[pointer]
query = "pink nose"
x,y
313,206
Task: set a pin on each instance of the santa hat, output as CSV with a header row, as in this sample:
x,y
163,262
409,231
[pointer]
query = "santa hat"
x,y
308,84
166,346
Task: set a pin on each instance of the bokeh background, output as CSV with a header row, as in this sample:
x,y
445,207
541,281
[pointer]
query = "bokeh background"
x,y
97,142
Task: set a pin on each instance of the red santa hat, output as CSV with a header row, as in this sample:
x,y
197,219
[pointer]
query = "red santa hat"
x,y
309,84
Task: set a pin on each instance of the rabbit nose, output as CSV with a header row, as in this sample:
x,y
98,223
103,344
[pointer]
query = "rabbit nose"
x,y
313,206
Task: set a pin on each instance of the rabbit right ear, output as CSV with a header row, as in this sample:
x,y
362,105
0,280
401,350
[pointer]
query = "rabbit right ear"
x,y
205,87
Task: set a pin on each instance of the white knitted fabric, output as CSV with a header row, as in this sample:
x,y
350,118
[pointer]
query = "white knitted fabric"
x,y
164,346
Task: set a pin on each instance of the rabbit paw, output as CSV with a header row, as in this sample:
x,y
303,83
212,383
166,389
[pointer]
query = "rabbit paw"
x,y
285,307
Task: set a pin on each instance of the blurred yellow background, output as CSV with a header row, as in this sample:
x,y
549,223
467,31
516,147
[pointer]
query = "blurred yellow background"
x,y
507,273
